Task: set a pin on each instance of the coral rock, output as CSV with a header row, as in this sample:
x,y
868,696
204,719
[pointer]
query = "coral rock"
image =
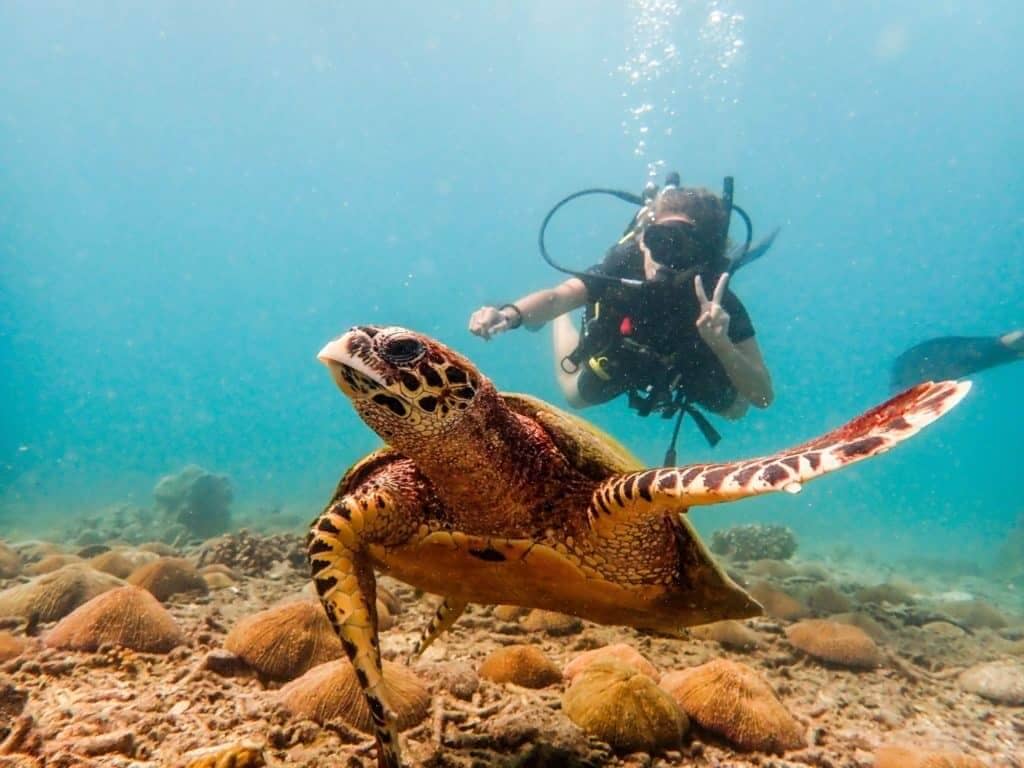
x,y
827,600
620,652
252,554
51,563
884,593
732,700
976,614
754,542
842,644
331,691
998,681
509,612
114,562
729,634
10,561
196,499
217,580
128,616
624,708
862,621
913,757
283,642
11,646
551,622
53,596
168,576
777,603
237,755
525,665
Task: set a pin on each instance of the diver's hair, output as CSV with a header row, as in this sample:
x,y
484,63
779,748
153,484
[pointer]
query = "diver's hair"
x,y
707,211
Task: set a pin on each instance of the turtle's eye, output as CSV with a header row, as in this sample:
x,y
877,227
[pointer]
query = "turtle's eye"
x,y
401,350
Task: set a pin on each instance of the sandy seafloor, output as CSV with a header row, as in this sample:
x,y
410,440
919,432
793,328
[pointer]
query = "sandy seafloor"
x,y
115,707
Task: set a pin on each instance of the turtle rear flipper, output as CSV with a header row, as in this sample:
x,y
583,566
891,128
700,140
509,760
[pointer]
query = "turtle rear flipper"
x,y
629,497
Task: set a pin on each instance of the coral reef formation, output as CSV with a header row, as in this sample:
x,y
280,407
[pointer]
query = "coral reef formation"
x,y
524,665
755,542
53,596
195,499
168,576
624,708
283,642
253,554
620,652
127,616
841,644
734,701
330,691
914,757
729,634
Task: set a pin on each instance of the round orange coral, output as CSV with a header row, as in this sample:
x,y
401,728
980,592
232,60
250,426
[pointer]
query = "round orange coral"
x,y
732,700
283,642
841,644
127,616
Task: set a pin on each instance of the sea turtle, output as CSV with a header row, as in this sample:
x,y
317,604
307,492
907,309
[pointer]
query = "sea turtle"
x,y
489,497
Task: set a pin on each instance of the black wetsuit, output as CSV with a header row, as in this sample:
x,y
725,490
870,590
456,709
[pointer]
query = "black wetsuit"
x,y
949,357
661,317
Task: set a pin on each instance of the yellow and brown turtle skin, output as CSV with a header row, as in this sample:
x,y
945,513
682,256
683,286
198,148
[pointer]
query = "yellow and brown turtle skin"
x,y
491,497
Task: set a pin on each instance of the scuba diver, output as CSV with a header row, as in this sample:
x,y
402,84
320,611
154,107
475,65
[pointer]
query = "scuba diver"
x,y
953,357
661,324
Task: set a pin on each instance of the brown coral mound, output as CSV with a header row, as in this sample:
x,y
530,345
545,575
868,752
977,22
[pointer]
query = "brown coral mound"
x,y
777,603
10,562
825,599
553,623
53,596
51,563
128,616
620,652
525,665
508,612
114,562
283,642
873,629
885,593
331,691
624,708
914,757
11,646
842,644
168,576
732,700
729,634
998,681
976,614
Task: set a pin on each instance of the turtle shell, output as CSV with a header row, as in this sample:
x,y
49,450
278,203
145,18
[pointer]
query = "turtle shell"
x,y
592,451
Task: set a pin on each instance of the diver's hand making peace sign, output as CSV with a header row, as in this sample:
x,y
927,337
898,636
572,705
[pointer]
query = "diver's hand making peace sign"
x,y
713,322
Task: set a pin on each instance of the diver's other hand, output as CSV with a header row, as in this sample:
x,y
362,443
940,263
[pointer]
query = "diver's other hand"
x,y
487,322
713,322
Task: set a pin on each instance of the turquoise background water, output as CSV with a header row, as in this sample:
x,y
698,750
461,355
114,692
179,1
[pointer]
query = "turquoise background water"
x,y
194,197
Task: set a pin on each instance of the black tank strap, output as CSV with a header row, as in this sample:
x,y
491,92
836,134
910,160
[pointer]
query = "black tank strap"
x,y
712,435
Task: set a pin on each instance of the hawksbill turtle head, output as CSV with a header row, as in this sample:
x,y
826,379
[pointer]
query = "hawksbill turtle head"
x,y
404,385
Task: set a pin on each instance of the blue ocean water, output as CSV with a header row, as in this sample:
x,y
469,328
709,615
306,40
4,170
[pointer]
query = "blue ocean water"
x,y
194,197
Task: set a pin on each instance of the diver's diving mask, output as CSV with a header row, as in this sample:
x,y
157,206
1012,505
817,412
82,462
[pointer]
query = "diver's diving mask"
x,y
674,244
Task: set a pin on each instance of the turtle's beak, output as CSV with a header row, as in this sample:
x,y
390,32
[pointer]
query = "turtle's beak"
x,y
334,352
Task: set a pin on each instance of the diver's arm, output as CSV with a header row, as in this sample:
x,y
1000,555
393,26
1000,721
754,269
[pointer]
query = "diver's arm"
x,y
742,361
533,310
744,365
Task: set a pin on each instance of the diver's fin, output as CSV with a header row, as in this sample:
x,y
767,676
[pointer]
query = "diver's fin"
x,y
756,251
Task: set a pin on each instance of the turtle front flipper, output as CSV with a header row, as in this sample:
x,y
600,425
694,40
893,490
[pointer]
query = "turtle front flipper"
x,y
625,499
345,581
447,613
